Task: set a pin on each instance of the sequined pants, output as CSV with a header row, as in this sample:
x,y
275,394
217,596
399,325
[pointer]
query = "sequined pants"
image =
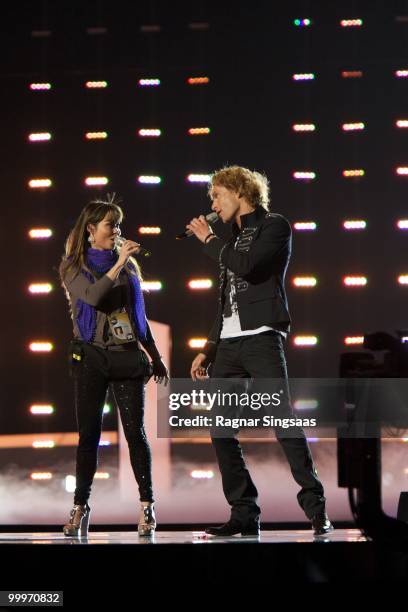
x,y
98,370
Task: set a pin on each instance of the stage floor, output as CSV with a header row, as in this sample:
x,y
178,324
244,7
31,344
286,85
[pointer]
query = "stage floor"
x,y
181,537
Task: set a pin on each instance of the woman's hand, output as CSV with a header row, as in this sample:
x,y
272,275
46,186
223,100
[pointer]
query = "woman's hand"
x,y
127,249
160,371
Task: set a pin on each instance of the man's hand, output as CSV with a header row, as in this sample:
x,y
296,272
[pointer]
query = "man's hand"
x,y
200,228
198,371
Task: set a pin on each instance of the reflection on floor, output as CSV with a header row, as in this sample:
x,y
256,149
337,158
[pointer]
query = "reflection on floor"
x,y
181,537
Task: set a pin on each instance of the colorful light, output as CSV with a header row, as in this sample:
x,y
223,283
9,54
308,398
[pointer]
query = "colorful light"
x,y
401,74
402,224
353,127
37,288
403,279
351,74
304,76
102,475
196,343
200,406
302,23
304,176
355,281
41,476
94,181
351,23
40,183
150,230
200,283
43,444
305,404
96,135
41,409
402,123
149,180
201,131
70,483
198,178
305,226
40,233
41,347
304,127
151,285
402,170
149,82
39,137
202,474
40,86
353,173
198,80
304,281
354,225
149,133
353,340
96,84
305,340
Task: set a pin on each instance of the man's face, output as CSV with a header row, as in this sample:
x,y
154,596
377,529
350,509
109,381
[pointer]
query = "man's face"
x,y
104,233
225,203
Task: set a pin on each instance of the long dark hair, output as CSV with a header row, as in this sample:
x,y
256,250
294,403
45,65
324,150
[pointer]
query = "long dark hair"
x,y
77,243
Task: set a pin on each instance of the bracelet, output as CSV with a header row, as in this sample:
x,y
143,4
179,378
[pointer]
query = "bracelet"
x,y
207,237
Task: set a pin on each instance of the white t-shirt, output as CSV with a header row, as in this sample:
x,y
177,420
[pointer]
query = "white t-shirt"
x,y
231,324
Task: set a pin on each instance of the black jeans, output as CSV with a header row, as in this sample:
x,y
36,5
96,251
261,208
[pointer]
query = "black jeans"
x,y
261,356
97,370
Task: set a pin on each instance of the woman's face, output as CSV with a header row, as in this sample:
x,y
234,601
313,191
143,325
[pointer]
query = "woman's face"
x,y
104,233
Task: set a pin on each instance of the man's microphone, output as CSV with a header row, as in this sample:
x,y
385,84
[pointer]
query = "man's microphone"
x,y
119,240
211,218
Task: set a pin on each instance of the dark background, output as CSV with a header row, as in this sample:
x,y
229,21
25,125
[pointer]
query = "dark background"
x,y
250,52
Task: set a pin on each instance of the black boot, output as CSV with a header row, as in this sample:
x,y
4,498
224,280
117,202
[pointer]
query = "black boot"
x,y
321,524
235,526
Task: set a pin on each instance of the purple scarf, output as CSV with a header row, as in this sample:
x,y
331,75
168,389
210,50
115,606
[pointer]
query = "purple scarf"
x,y
102,261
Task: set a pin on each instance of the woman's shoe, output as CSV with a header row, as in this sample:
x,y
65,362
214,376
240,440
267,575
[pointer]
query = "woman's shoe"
x,y
78,522
147,521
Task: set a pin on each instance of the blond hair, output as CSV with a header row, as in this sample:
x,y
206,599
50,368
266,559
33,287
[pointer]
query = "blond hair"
x,y
251,185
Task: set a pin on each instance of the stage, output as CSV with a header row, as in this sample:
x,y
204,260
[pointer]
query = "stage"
x,y
188,556
162,538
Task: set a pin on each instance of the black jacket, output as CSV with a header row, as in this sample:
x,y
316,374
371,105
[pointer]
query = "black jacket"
x,y
259,262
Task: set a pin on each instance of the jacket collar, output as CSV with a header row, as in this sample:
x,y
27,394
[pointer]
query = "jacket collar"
x,y
249,220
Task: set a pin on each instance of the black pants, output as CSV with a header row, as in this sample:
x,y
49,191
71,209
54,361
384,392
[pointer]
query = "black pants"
x,y
97,370
261,356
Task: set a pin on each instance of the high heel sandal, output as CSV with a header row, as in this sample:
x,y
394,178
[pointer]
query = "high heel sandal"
x,y
147,521
78,522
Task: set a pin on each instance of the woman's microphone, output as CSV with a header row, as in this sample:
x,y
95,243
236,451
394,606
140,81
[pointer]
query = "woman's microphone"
x,y
119,240
211,218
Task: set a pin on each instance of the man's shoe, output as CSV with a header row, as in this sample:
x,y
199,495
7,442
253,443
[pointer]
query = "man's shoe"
x,y
321,524
233,527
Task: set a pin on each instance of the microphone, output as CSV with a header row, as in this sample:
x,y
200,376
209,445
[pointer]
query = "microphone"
x,y
211,218
119,240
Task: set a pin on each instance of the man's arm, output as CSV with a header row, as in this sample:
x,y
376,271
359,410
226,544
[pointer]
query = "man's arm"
x,y
274,236
210,347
